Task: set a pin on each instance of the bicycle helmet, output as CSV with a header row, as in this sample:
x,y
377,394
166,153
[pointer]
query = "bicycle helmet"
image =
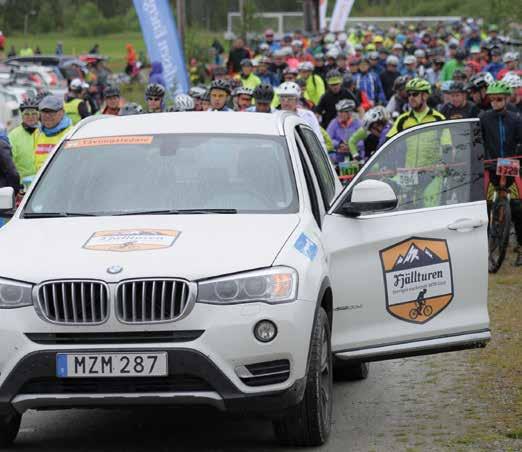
x,y
77,85
410,59
510,56
290,70
264,93
42,94
306,66
111,91
265,60
345,105
246,62
154,90
30,103
460,54
334,77
456,87
132,108
371,117
289,89
196,92
183,102
513,80
393,60
400,83
220,84
418,85
241,90
446,86
205,97
481,80
499,88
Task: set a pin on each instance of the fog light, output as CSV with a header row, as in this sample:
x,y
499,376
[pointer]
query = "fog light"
x,y
265,331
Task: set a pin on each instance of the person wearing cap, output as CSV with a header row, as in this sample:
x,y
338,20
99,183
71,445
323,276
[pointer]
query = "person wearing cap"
x,y
112,101
369,83
326,108
458,106
457,62
75,106
389,75
495,65
55,124
314,85
343,126
289,94
247,77
278,64
510,60
237,54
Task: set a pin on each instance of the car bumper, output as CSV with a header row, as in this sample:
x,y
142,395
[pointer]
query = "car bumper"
x,y
202,368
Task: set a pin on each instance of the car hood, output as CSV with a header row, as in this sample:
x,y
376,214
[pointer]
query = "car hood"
x,y
186,246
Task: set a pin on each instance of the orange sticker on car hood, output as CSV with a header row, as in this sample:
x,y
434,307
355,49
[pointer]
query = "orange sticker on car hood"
x,y
103,141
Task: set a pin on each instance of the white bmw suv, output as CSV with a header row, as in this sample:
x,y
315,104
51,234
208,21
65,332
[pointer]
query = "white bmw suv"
x,y
212,258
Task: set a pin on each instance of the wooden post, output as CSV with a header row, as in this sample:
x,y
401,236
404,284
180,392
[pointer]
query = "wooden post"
x,y
311,15
182,19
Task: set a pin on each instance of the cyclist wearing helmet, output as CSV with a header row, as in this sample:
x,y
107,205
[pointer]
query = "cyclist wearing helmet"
x,y
264,73
398,103
154,96
342,128
314,85
246,76
418,91
458,106
477,87
289,93
205,101
183,102
219,94
263,97
197,92
23,138
242,98
75,106
502,134
495,65
131,108
112,101
375,126
335,93
510,60
513,80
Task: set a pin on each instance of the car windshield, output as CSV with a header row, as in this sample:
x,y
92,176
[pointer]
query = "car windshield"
x,y
167,173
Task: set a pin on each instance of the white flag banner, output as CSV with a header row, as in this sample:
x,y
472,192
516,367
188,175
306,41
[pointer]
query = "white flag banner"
x,y
342,10
323,6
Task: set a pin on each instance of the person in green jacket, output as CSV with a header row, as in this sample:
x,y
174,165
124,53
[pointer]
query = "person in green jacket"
x,y
247,77
314,87
23,138
453,64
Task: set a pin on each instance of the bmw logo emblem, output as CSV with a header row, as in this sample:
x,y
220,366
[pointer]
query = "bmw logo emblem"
x,y
114,269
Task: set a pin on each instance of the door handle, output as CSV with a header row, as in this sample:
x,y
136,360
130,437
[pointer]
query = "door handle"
x,y
465,225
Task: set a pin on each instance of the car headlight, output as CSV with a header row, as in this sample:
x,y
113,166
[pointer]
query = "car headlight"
x,y
273,285
14,294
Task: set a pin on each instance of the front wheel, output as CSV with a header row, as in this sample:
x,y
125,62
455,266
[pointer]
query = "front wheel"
x,y
309,423
9,426
499,225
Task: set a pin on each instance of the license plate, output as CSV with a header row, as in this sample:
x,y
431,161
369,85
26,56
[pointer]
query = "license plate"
x,y
508,167
73,365
408,178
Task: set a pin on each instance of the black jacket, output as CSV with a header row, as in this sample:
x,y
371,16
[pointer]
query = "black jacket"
x,y
8,174
470,110
387,80
492,124
326,105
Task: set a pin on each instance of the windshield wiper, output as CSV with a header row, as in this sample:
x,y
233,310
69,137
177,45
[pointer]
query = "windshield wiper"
x,y
57,214
177,212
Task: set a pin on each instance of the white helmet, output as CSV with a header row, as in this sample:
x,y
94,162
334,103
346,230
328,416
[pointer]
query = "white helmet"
x,y
392,59
183,102
372,116
305,66
510,56
333,53
410,59
288,89
78,84
512,79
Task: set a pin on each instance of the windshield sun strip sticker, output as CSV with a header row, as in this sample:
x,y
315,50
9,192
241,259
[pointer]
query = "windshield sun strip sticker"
x,y
103,141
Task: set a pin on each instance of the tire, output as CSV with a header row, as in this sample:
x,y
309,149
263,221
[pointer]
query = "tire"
x,y
309,423
499,227
350,371
9,426
427,311
413,313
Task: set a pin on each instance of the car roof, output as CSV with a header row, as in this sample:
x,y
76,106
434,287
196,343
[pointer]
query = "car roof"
x,y
185,122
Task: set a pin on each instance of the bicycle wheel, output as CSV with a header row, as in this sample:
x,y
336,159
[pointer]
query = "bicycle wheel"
x,y
499,224
413,313
427,311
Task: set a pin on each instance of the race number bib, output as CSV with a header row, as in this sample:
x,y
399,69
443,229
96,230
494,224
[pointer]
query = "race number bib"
x,y
508,167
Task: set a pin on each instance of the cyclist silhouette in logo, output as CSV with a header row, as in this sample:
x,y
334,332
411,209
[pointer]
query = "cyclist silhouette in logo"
x,y
422,308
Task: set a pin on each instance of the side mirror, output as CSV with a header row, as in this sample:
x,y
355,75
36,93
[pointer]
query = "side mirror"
x,y
369,196
7,202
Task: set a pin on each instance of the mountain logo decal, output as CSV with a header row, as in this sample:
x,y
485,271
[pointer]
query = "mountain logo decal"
x,y
418,278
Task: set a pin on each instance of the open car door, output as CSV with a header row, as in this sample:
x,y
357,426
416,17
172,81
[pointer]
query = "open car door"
x,y
407,246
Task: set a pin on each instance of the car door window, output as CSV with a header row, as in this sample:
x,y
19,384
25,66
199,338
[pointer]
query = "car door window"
x,y
321,165
431,167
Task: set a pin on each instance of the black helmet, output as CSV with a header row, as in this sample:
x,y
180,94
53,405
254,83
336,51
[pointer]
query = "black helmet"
x,y
400,83
264,93
31,102
111,91
456,87
132,108
460,54
42,94
481,80
459,75
347,79
155,90
220,84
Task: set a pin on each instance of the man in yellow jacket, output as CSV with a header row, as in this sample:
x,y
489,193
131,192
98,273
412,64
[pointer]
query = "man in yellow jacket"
x,y
314,87
54,126
75,106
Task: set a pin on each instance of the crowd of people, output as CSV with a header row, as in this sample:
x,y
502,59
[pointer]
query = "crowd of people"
x,y
355,89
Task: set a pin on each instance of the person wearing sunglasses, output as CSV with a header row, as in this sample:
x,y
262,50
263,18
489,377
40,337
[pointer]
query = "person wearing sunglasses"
x,y
418,91
23,138
154,95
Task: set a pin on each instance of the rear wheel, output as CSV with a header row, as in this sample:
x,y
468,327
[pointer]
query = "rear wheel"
x,y
350,371
499,225
9,426
309,422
